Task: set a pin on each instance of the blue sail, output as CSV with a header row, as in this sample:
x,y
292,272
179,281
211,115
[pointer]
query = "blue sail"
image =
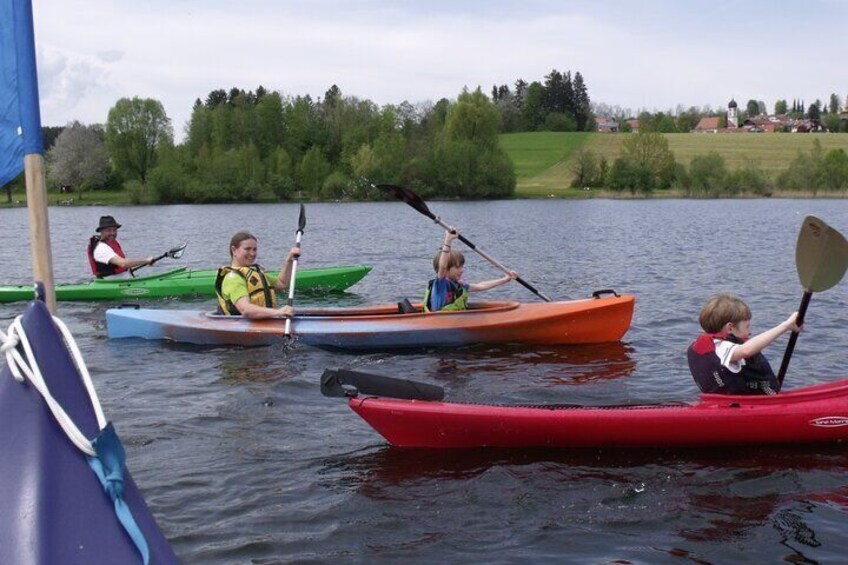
x,y
65,493
20,115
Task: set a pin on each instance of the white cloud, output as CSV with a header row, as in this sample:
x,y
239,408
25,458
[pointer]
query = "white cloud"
x,y
653,54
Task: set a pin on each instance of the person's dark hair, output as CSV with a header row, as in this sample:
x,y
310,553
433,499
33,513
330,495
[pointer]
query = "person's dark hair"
x,y
238,238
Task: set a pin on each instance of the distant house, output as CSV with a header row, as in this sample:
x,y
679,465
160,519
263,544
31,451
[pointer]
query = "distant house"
x,y
606,124
707,125
633,123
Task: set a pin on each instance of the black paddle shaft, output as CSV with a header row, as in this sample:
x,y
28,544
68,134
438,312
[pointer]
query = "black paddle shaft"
x,y
790,347
486,256
418,203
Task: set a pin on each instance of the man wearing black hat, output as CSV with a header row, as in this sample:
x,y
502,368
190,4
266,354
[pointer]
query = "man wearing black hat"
x,y
105,254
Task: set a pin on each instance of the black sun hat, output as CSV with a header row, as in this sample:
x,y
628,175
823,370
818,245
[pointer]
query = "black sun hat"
x,y
107,222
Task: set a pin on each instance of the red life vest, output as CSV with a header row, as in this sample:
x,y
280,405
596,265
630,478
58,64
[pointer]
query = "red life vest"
x,y
101,270
756,376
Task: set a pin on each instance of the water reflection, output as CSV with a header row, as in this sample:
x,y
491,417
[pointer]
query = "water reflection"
x,y
564,365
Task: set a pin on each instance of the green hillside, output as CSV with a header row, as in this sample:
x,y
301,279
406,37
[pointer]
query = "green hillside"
x,y
542,160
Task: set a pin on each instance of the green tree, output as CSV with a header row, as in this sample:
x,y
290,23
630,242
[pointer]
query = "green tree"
x,y
708,174
585,168
468,160
533,111
834,103
649,151
281,173
833,173
312,170
135,131
750,179
582,103
833,123
780,107
688,120
78,158
629,175
814,111
559,121
752,108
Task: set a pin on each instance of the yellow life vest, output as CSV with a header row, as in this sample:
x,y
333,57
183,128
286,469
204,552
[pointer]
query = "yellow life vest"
x,y
259,289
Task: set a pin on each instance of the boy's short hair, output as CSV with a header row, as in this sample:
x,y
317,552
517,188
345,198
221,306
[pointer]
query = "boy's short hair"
x,y
723,308
455,259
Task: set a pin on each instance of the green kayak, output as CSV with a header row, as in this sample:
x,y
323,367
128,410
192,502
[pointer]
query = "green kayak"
x,y
183,282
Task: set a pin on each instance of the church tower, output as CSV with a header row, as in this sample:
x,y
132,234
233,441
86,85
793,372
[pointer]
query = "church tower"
x,y
732,116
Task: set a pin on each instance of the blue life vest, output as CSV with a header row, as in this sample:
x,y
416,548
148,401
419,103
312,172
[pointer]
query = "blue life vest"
x,y
456,297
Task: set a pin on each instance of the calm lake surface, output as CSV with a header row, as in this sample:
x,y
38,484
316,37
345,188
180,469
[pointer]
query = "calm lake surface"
x,y
243,461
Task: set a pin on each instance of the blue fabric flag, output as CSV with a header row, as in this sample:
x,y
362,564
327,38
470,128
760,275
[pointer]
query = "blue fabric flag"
x,y
20,116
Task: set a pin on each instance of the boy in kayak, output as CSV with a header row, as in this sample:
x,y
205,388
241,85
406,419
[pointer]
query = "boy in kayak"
x,y
105,256
447,291
726,359
245,289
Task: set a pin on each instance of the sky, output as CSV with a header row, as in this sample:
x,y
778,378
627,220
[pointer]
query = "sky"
x,y
654,55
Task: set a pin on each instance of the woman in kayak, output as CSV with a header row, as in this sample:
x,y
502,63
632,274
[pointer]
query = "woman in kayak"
x,y
726,359
243,288
447,291
105,255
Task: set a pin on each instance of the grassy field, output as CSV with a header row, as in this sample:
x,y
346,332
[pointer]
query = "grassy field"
x,y
542,160
54,198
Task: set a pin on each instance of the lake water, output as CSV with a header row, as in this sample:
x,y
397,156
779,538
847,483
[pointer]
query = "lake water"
x,y
243,461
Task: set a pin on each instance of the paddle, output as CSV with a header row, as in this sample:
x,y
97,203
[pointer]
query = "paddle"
x,y
416,202
173,253
301,225
821,257
345,383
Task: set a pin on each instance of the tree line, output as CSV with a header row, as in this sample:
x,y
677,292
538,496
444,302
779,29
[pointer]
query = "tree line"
x,y
244,145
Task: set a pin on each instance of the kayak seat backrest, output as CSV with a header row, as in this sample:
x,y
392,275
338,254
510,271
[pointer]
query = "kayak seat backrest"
x,y
406,307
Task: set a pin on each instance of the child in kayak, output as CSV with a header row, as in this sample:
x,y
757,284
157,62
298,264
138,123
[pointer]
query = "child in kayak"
x,y
447,291
726,359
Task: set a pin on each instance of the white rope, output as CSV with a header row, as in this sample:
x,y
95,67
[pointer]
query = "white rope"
x,y
21,367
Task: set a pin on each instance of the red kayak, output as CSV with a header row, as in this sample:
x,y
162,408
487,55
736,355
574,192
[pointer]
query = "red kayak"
x,y
813,414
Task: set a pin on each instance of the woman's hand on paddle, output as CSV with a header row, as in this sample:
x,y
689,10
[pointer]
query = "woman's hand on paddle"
x,y
285,312
294,252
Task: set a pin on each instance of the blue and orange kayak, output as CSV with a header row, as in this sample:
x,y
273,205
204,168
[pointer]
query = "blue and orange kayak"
x,y
591,320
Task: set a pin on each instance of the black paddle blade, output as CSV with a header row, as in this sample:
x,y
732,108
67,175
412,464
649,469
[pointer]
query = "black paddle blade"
x,y
176,252
821,255
301,221
345,383
407,196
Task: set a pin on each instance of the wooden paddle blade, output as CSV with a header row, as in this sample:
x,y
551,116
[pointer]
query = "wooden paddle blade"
x,y
301,221
407,196
345,383
821,255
